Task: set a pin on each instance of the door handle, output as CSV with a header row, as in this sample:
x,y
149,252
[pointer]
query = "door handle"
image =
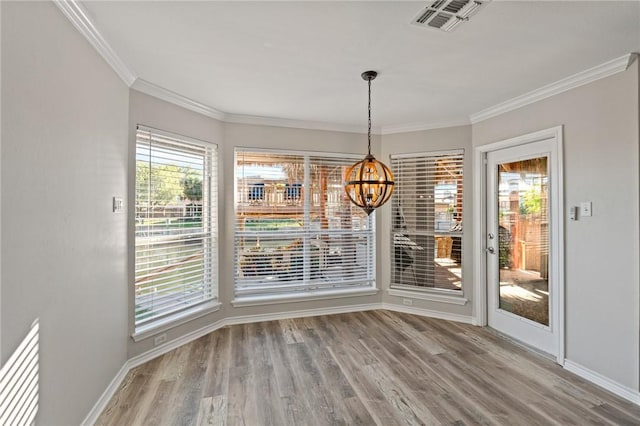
x,y
491,250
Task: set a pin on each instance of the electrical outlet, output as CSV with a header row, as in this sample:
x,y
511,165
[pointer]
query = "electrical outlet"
x,y
159,339
407,302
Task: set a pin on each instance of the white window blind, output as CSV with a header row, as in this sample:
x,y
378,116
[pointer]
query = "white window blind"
x,y
296,230
427,226
175,225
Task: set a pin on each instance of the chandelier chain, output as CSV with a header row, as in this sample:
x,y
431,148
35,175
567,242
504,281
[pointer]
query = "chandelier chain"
x,y
369,182
369,110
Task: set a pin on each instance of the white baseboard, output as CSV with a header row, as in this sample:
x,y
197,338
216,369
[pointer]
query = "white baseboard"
x,y
141,359
427,313
593,377
183,340
246,319
602,381
175,343
106,396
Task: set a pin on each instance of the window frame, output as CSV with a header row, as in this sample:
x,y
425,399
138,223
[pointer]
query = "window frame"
x,y
451,296
298,292
211,260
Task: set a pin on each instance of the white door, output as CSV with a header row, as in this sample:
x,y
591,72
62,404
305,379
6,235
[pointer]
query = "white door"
x,y
523,263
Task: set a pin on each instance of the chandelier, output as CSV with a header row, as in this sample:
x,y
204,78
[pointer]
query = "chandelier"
x,y
369,183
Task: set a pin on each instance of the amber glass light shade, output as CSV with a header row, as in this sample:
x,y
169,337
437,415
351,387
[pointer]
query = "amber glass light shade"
x,y
369,184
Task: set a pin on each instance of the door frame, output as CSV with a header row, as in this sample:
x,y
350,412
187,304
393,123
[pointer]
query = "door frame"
x,y
556,263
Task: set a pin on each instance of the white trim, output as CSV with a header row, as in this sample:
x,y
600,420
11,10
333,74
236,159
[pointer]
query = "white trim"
x,y
579,79
479,268
427,153
106,396
174,98
559,232
420,126
430,296
297,124
80,19
347,155
176,136
243,319
167,95
427,313
176,320
248,319
479,230
302,297
138,360
596,378
174,344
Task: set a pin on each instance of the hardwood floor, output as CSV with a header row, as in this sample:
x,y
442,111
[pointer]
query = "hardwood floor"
x,y
366,368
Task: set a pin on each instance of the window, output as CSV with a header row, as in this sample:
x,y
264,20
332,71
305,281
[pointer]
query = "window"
x,y
427,221
296,231
175,226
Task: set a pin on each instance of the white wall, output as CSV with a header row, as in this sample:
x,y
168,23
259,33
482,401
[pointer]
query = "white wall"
x,y
420,142
154,112
64,155
601,164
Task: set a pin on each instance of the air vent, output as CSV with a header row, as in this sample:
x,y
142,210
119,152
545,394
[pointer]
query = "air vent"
x,y
425,16
445,15
455,5
439,20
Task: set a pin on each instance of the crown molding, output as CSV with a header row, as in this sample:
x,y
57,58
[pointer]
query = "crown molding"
x,y
579,79
167,95
297,124
418,126
80,19
172,97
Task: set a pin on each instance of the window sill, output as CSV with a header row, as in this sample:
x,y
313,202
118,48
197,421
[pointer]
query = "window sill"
x,y
430,296
305,297
180,318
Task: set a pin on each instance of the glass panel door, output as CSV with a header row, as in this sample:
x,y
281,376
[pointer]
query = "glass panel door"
x,y
523,238
522,228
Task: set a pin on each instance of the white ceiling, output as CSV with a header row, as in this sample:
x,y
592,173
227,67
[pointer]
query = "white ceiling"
x,y
302,60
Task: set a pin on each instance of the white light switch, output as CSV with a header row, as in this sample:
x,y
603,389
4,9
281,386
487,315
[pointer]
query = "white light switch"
x,y
585,209
573,213
118,204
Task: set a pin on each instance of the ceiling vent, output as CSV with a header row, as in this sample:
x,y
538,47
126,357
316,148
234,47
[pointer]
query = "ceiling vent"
x,y
446,15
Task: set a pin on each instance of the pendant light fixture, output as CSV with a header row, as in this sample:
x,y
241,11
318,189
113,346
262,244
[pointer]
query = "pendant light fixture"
x,y
369,183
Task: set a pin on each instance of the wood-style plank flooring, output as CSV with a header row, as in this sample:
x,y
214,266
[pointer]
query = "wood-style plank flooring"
x,y
367,368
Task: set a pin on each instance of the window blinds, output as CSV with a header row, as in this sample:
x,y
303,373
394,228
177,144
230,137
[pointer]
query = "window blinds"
x,y
427,222
296,230
175,225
